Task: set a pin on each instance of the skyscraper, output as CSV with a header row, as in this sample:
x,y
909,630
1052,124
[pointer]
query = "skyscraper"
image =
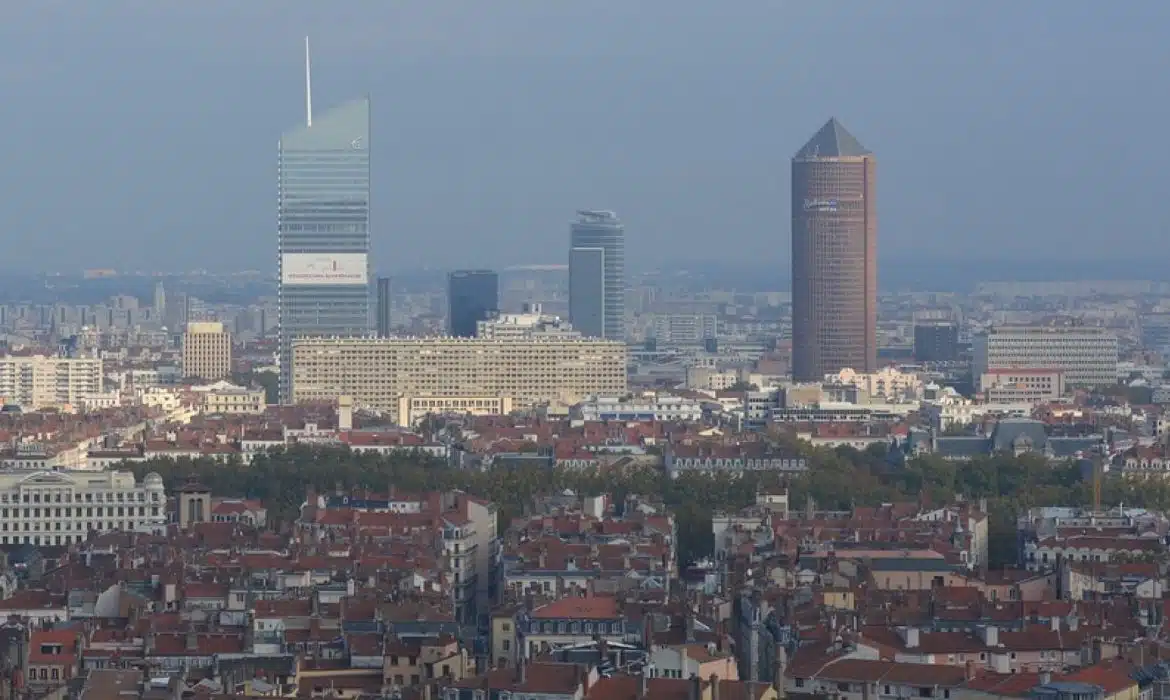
x,y
834,256
472,296
385,303
159,310
597,275
323,227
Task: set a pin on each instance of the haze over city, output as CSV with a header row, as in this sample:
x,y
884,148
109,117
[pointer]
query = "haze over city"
x,y
143,135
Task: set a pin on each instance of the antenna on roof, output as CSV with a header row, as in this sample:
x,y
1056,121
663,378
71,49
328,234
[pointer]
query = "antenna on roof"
x,y
308,87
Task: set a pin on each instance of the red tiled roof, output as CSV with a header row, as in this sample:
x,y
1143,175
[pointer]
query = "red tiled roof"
x,y
589,608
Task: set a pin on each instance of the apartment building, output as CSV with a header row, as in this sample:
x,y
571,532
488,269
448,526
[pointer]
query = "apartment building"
x,y
234,400
413,409
530,325
685,329
62,507
37,381
378,372
1086,356
207,351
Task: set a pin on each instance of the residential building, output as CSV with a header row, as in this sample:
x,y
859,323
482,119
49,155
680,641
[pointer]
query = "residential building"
x,y
834,255
36,382
377,373
573,620
658,408
472,296
323,230
886,383
531,324
1087,356
413,409
1154,329
1022,385
228,399
597,275
207,351
685,329
61,508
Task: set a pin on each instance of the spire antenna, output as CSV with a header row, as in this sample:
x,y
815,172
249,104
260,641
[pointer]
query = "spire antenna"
x,y
308,87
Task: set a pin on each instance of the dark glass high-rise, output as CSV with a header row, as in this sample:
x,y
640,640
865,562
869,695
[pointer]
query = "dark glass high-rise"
x,y
472,296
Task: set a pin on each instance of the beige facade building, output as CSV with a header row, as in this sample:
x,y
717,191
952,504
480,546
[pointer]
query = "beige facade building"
x,y
60,508
38,382
378,372
1021,385
228,399
207,351
1084,355
412,409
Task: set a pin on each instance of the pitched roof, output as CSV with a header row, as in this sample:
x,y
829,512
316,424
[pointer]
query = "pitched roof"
x,y
832,141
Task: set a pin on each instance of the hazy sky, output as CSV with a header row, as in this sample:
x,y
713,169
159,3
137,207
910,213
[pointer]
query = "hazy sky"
x,y
143,134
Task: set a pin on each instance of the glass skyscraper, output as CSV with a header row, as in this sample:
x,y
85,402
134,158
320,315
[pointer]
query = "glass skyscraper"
x,y
472,296
597,275
323,230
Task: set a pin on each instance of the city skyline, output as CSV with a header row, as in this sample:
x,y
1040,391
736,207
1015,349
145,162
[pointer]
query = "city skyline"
x,y
526,127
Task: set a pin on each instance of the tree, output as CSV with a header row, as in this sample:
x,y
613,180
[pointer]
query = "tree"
x,y
837,479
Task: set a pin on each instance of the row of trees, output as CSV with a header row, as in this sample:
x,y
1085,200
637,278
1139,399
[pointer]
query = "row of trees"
x,y
838,479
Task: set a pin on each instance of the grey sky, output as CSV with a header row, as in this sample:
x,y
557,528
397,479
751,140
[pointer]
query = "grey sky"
x,y
143,134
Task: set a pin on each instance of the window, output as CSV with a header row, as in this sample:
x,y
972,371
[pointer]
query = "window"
x,y
800,684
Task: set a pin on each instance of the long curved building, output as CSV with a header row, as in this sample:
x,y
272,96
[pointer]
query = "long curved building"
x,y
834,256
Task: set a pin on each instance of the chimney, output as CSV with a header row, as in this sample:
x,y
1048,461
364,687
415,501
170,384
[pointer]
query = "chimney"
x,y
780,668
990,634
689,621
912,638
970,670
1055,623
696,687
1001,663
345,413
714,687
522,672
683,662
644,682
